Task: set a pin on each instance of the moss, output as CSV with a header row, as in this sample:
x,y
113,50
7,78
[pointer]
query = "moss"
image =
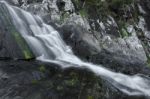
x,y
149,65
71,82
21,42
124,33
148,61
90,97
59,88
27,54
83,13
34,82
17,36
64,16
42,68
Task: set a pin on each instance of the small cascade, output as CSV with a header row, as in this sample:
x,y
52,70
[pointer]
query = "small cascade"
x,y
48,46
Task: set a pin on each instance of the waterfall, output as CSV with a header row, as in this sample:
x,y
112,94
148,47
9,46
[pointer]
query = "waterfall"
x,y
48,46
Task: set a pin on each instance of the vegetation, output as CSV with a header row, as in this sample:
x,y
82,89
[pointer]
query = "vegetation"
x,y
42,68
83,13
21,42
64,15
90,97
124,33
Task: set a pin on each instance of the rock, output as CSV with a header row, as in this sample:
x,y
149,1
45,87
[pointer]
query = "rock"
x,y
118,54
144,23
75,83
79,39
146,8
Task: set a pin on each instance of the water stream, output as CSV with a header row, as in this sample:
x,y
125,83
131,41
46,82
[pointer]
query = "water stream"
x,y
47,45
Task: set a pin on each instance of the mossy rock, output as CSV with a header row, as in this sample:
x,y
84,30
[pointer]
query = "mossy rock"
x,y
16,41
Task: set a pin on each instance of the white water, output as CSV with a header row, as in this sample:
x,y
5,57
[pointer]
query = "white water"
x,y
48,46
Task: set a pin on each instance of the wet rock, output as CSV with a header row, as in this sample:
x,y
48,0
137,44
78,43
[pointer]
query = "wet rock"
x,y
79,39
117,54
56,83
11,39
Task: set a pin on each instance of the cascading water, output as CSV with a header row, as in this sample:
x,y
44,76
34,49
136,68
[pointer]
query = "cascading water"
x,y
48,46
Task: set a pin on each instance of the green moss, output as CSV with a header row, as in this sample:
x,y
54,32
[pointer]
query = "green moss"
x,y
83,13
17,36
64,16
71,82
21,42
42,68
59,88
148,61
124,33
27,54
90,97
34,82
149,65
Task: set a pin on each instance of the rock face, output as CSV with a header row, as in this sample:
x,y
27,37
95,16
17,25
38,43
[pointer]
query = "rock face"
x,y
146,22
101,39
118,54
